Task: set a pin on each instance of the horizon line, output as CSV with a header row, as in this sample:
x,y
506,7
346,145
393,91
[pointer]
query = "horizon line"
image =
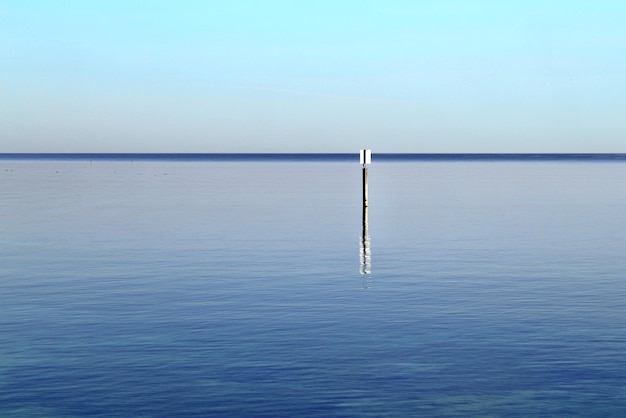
x,y
311,156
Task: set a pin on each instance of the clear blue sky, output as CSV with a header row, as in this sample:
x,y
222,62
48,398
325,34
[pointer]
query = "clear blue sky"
x,y
312,76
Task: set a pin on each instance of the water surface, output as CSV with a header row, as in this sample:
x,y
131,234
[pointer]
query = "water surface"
x,y
233,288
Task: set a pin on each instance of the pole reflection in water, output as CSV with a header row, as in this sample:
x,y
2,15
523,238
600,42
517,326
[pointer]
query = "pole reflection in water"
x,y
365,251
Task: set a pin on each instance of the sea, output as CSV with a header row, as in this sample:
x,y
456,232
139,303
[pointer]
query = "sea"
x,y
249,285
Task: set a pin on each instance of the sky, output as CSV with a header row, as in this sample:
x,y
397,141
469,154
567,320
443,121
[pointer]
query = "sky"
x,y
407,76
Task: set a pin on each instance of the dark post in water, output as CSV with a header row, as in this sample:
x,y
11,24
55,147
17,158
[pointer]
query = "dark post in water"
x,y
366,159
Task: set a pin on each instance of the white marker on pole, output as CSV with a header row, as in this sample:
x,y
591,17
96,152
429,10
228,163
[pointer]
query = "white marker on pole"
x,y
366,156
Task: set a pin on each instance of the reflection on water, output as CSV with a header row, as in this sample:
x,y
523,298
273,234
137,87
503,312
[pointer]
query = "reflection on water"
x,y
366,255
365,252
366,259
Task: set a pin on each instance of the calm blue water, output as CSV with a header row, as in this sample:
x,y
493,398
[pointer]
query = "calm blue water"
x,y
164,287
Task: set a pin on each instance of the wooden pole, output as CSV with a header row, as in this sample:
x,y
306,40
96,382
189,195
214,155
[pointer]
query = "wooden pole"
x,y
365,197
365,202
365,239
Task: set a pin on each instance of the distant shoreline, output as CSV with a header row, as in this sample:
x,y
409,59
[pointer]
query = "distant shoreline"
x,y
383,157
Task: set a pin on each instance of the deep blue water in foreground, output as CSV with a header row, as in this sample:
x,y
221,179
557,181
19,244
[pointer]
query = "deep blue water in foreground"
x,y
163,287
